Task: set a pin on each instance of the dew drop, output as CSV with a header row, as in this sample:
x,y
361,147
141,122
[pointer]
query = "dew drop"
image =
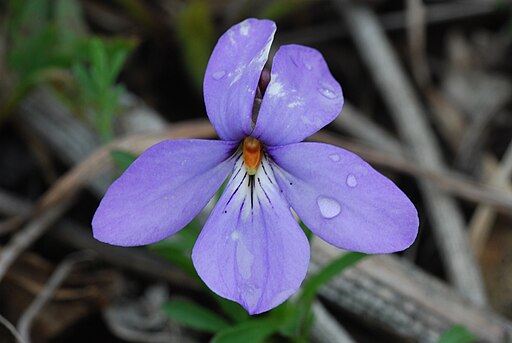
x,y
308,66
328,93
360,169
251,294
218,75
235,235
244,260
351,181
329,208
334,157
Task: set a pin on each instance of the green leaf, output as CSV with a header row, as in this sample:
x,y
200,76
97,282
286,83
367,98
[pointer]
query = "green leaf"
x,y
96,75
123,159
233,310
306,230
69,20
26,17
178,248
328,272
299,320
176,256
194,316
457,334
183,240
252,331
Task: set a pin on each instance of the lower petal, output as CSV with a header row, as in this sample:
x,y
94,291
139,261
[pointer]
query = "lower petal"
x,y
163,190
343,200
251,249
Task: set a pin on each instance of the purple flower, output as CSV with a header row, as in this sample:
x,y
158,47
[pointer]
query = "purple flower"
x,y
251,249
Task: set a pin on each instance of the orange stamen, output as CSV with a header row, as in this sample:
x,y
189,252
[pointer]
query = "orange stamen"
x,y
253,152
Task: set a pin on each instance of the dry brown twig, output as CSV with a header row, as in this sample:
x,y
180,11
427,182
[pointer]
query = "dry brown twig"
x,y
11,205
55,202
25,237
387,292
483,217
11,329
330,331
415,15
140,261
57,278
448,222
448,119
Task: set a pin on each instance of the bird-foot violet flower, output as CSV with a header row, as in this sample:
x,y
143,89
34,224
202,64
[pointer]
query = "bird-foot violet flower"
x,y
251,249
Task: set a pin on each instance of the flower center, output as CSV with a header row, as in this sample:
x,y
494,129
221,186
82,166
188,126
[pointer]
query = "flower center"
x,y
253,151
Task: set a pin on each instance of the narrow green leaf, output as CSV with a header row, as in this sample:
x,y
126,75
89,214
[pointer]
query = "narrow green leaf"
x,y
176,256
116,64
194,316
328,272
252,331
183,240
299,320
69,20
82,76
99,64
178,248
233,310
457,334
123,159
306,230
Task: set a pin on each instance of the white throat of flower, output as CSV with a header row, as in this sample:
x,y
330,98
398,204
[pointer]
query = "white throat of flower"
x,y
252,191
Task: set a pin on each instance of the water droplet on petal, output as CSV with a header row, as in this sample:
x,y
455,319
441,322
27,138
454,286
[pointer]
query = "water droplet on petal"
x,y
328,93
218,75
244,260
329,208
244,28
362,170
334,157
235,235
251,294
308,66
351,181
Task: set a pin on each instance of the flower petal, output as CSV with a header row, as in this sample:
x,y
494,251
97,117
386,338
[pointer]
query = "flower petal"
x,y
162,191
232,76
343,200
251,249
302,97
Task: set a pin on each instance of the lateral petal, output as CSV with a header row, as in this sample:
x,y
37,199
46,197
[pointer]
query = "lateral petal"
x,y
163,190
343,200
232,76
251,249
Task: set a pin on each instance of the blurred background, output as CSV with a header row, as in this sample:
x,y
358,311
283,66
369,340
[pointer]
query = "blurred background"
x,y
87,85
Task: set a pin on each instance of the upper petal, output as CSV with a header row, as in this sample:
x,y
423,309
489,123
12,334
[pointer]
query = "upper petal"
x,y
251,249
162,191
232,76
302,97
343,200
